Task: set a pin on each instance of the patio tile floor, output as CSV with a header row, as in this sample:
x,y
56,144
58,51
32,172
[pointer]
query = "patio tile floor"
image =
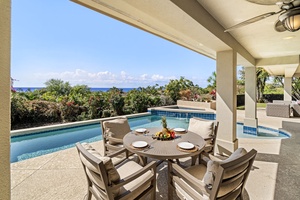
x,y
275,174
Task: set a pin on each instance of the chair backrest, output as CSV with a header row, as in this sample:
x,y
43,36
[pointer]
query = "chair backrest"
x,y
119,124
113,131
231,176
96,172
208,129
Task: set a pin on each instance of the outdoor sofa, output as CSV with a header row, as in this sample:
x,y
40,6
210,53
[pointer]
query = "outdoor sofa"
x,y
283,109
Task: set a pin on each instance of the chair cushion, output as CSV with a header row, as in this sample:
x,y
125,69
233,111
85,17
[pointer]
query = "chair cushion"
x,y
198,172
202,127
93,172
182,194
116,128
130,167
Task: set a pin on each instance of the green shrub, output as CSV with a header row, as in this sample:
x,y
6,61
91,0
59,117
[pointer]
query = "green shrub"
x,y
70,111
106,113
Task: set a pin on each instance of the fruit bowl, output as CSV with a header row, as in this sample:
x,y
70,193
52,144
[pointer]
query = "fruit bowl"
x,y
168,135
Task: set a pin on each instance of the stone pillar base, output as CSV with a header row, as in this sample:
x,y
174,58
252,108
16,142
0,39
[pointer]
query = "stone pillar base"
x,y
250,126
224,147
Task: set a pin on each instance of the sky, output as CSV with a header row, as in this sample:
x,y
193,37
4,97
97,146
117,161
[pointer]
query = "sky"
x,y
63,40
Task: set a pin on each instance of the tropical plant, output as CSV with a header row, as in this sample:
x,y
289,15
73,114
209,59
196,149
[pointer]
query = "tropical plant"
x,y
296,88
42,111
279,80
58,87
212,86
18,109
80,89
241,81
261,78
138,100
70,110
116,100
212,81
166,100
97,103
174,87
60,102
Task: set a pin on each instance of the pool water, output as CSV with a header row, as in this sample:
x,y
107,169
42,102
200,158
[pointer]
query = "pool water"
x,y
29,146
33,145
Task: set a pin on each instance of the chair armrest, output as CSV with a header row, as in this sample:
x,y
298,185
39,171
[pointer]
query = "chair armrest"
x,y
205,157
113,147
135,175
116,153
117,140
193,182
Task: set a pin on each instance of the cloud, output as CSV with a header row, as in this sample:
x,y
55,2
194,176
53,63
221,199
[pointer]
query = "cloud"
x,y
105,78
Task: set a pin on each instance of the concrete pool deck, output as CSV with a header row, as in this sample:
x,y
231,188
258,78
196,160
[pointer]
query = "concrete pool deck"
x,y
275,174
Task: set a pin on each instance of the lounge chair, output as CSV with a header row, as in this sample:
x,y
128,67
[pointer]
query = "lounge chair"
x,y
213,179
127,180
296,110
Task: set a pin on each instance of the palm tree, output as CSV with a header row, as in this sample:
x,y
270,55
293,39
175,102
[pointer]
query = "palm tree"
x,y
296,88
261,78
212,80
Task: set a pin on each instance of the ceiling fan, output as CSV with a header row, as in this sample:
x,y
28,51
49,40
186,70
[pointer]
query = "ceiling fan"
x,y
289,18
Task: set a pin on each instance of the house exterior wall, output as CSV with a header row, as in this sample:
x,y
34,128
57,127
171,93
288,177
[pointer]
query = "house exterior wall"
x,y
5,42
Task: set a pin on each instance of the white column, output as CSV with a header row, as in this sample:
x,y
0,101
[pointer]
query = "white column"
x,y
250,121
226,102
287,89
5,20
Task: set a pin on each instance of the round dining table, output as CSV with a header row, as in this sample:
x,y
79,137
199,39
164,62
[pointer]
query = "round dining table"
x,y
164,149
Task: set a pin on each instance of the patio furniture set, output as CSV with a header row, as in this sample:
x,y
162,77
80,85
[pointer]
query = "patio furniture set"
x,y
132,177
284,109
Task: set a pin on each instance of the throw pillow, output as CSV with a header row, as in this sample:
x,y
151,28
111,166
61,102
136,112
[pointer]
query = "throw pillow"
x,y
202,127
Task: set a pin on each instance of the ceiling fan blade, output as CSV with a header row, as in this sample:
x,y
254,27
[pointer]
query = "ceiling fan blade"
x,y
252,20
279,26
296,3
269,2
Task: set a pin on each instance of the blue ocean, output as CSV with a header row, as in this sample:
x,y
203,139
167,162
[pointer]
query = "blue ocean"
x,y
24,89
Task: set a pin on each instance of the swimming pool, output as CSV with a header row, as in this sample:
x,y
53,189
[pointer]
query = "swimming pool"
x,y
33,145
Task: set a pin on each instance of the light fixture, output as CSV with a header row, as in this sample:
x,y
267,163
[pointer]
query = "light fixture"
x,y
288,37
291,19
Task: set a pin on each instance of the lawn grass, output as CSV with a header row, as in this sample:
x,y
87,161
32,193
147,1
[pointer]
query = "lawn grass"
x,y
261,105
258,105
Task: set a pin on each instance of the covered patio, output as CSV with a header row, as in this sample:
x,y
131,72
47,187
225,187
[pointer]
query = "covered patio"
x,y
197,25
275,172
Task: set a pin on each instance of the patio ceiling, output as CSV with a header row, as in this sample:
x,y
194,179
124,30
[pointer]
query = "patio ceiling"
x,y
199,25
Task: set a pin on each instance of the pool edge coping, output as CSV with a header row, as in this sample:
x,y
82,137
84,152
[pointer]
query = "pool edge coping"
x,y
28,131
